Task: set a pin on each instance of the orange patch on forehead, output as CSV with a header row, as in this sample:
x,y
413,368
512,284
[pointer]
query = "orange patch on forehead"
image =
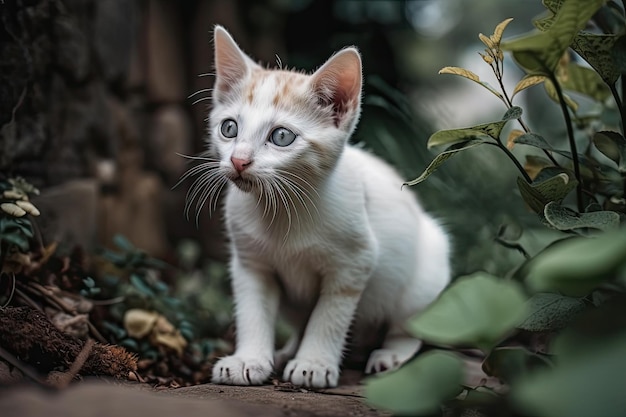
x,y
252,86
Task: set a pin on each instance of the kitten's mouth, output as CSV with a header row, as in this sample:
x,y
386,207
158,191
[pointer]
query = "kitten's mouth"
x,y
243,184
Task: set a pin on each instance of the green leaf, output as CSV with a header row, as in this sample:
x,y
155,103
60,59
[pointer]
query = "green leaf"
x,y
419,387
592,385
576,266
613,146
597,50
492,129
563,218
443,157
123,243
539,53
16,240
141,286
511,363
538,194
533,139
549,311
551,91
477,310
585,81
528,81
472,77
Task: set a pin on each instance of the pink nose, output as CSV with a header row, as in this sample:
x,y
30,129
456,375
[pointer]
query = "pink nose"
x,y
240,164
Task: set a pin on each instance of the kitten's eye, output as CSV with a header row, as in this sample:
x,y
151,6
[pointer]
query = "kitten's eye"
x,y
229,128
282,137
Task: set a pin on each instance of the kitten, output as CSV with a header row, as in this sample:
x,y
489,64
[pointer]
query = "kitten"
x,y
317,226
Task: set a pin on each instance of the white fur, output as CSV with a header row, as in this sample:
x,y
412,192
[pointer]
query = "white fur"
x,y
329,234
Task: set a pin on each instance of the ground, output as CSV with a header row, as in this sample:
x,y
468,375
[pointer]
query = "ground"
x,y
106,398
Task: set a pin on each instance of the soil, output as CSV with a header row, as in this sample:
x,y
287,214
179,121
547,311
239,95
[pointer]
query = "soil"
x,y
105,398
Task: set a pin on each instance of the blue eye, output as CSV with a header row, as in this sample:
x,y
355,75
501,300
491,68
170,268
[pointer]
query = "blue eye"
x,y
282,137
229,128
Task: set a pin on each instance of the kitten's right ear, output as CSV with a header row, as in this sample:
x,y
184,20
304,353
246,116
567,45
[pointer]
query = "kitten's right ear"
x,y
231,64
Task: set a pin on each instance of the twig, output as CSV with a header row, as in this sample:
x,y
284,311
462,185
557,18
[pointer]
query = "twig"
x,y
24,368
13,280
77,365
28,300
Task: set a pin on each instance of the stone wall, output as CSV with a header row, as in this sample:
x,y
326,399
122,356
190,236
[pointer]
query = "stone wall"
x,y
94,107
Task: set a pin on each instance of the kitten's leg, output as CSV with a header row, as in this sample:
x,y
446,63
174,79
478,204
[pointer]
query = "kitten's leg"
x,y
397,348
288,351
256,295
317,362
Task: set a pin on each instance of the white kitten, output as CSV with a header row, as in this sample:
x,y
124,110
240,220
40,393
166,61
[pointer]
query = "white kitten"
x,y
315,225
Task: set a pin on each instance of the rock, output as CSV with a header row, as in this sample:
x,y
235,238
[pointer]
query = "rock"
x,y
170,134
115,36
69,213
71,53
166,72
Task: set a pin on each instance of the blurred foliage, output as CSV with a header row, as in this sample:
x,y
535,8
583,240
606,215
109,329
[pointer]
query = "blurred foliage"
x,y
136,279
16,229
554,331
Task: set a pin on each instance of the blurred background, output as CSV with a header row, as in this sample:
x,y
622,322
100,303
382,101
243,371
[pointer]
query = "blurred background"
x,y
98,97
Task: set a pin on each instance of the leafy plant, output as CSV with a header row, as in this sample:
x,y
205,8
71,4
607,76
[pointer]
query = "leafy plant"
x,y
169,323
553,331
598,175
16,229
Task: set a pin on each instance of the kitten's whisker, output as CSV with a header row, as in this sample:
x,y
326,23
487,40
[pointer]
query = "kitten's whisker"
x,y
287,210
207,74
204,90
199,157
211,193
207,166
300,189
217,194
193,171
199,187
299,178
290,189
298,192
200,99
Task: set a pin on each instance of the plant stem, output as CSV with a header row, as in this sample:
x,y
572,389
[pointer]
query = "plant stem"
x,y
512,158
509,104
572,141
620,106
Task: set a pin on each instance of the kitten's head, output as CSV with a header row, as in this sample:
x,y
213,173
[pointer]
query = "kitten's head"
x,y
274,132
273,122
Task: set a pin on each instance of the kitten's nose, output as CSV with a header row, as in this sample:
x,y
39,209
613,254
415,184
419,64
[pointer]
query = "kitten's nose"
x,y
240,164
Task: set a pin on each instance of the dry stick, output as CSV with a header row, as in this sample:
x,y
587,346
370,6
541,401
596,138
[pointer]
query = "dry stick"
x,y
28,300
77,365
24,368
59,304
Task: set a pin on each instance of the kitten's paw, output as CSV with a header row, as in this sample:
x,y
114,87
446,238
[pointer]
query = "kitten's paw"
x,y
396,351
237,370
382,360
311,373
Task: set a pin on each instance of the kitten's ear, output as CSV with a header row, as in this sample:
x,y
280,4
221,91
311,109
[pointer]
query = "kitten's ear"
x,y
231,64
338,83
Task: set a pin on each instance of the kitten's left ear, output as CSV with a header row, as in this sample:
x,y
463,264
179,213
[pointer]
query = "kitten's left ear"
x,y
232,65
338,83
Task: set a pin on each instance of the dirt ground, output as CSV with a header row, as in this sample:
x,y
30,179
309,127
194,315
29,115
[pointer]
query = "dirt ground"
x,y
106,398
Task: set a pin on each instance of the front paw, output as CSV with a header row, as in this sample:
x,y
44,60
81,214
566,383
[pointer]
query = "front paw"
x,y
311,373
237,370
